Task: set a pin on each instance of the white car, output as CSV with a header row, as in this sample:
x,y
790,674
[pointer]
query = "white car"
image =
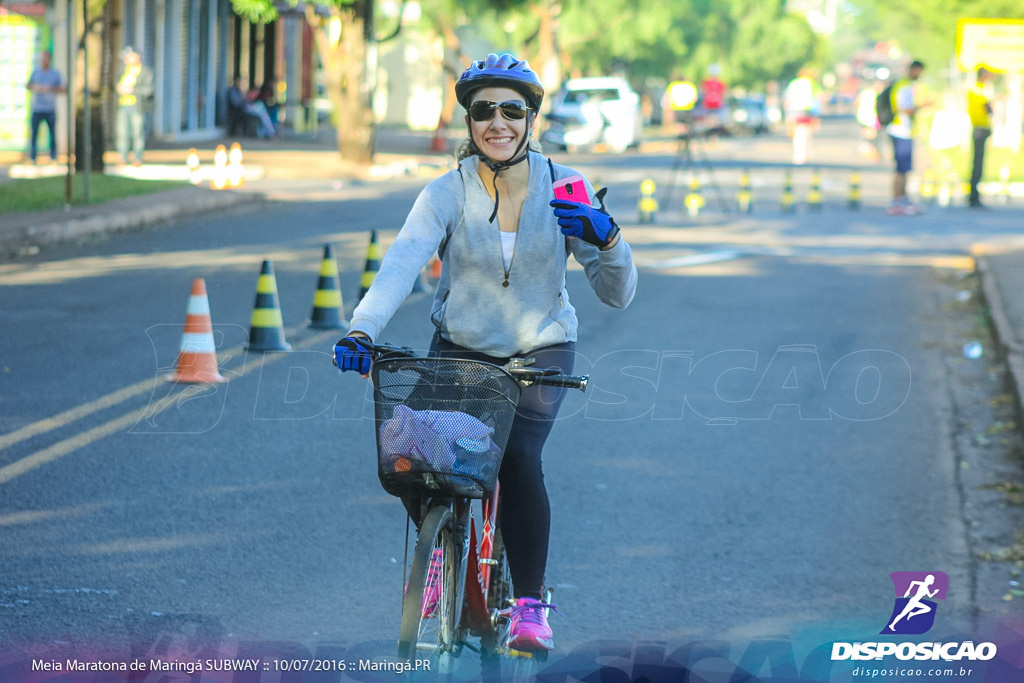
x,y
589,111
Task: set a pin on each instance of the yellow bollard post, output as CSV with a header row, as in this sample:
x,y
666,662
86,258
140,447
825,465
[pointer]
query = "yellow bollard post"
x,y
236,172
648,204
788,204
745,197
694,201
853,198
192,161
219,181
814,196
928,187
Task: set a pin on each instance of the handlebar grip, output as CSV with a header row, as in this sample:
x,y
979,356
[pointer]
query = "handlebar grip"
x,y
568,381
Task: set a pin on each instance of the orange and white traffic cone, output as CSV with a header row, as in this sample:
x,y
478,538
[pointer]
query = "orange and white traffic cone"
x,y
434,270
197,357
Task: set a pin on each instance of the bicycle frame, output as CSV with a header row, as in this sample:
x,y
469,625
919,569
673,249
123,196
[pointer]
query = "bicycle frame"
x,y
479,561
451,583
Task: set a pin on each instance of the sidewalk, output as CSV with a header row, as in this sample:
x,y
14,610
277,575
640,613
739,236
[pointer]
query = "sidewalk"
x,y
306,157
1002,280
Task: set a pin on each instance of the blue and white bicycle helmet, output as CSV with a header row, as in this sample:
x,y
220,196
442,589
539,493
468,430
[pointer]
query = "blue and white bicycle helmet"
x,y
500,71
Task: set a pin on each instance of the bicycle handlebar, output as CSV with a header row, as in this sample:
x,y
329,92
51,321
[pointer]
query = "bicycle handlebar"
x,y
518,368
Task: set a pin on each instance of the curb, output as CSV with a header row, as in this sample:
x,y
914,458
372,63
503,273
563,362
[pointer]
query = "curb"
x,y
1004,332
133,212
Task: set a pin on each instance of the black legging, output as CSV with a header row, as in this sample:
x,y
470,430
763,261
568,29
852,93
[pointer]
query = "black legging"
x,y
525,512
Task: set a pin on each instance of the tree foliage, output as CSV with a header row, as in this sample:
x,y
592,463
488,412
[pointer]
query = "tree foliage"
x,y
926,29
684,38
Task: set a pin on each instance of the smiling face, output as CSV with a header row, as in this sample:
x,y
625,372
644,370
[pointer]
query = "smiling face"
x,y
498,138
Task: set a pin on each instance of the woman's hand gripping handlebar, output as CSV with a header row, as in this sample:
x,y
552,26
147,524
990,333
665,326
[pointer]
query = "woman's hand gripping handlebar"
x,y
358,353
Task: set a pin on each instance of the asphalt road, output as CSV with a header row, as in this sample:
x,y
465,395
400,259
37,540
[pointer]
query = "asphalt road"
x,y
779,421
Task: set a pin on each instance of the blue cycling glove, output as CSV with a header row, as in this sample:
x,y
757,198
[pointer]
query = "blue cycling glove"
x,y
591,224
353,353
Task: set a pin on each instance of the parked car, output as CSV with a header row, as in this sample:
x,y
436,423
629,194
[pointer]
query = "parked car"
x,y
749,116
590,111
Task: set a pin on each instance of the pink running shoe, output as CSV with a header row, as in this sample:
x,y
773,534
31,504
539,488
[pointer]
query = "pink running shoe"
x,y
432,592
529,630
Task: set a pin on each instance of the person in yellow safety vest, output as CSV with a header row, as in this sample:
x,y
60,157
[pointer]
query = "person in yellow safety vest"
x,y
134,93
680,97
979,108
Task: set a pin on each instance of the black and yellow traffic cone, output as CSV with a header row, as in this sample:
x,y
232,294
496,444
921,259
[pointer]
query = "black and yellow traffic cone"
x,y
815,200
745,197
328,309
266,332
853,198
788,203
945,192
694,201
648,204
373,257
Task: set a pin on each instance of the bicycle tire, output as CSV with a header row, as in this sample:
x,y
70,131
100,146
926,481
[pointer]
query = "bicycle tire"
x,y
433,637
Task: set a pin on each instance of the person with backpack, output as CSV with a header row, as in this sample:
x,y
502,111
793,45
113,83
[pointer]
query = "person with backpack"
x,y
504,241
898,104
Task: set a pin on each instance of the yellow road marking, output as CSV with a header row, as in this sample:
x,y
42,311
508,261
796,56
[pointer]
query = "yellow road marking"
x,y
112,399
71,444
76,413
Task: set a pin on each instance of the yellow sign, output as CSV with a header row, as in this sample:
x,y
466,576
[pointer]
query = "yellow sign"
x,y
997,44
682,95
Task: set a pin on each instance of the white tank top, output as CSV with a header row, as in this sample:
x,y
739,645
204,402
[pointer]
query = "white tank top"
x,y
508,245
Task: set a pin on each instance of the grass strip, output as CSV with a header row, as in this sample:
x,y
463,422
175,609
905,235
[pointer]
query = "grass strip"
x,y
44,194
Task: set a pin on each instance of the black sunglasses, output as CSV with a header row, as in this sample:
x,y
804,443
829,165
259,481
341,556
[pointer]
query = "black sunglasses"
x,y
513,110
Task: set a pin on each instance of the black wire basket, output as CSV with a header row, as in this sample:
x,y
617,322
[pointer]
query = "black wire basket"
x,y
442,425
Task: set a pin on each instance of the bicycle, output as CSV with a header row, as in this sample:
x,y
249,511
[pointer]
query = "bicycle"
x,y
468,406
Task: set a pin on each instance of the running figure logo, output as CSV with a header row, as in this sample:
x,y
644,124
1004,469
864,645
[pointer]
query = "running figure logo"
x,y
914,611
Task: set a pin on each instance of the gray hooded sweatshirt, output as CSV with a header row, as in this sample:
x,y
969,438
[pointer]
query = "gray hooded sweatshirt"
x,y
471,306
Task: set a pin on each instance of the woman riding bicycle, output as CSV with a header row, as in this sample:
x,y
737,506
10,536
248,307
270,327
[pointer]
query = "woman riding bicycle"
x,y
504,246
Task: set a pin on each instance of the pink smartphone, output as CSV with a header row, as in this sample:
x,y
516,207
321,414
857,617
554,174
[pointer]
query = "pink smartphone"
x,y
572,188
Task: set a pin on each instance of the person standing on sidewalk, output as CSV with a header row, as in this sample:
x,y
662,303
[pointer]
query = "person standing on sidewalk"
x,y
979,108
45,83
134,90
906,103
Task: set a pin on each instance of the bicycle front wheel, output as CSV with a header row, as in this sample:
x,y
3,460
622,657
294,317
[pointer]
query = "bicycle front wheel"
x,y
432,607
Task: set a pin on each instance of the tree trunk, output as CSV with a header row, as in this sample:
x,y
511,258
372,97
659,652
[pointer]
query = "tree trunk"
x,y
452,49
547,65
345,66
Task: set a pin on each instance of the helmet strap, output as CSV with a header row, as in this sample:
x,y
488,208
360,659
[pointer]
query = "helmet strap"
x,y
499,166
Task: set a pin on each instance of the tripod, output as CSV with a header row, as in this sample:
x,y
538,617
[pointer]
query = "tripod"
x,y
689,154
